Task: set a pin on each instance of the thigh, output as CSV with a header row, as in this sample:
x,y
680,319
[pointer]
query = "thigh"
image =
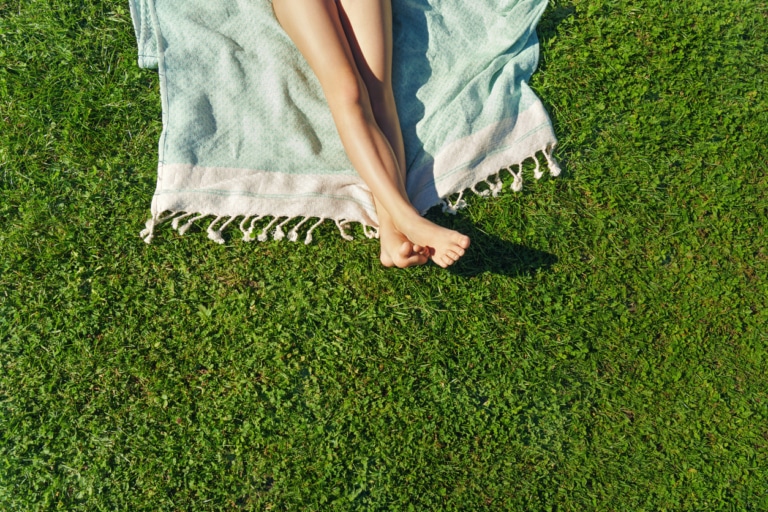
x,y
316,30
368,26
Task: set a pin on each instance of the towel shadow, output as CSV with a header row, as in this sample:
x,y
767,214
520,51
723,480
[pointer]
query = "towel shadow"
x,y
547,29
553,17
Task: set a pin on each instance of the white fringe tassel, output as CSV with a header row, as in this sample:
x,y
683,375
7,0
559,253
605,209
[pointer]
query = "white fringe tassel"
x,y
493,182
263,236
537,172
452,209
248,233
176,220
308,239
215,234
279,234
517,183
342,225
554,169
148,233
183,229
370,231
293,234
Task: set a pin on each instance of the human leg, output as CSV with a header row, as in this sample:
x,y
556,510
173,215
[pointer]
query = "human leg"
x,y
316,29
368,27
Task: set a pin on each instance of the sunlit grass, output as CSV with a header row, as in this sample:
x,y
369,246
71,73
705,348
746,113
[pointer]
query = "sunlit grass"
x,y
601,347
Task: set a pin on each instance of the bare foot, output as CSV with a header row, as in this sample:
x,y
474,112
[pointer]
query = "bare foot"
x,y
396,249
445,246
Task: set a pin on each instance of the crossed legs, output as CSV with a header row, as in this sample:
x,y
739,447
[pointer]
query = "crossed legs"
x,y
349,49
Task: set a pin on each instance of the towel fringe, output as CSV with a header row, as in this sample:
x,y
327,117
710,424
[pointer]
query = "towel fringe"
x,y
482,193
554,169
537,172
215,234
293,234
247,233
183,229
279,234
148,233
263,235
517,183
244,231
308,239
211,232
176,220
370,231
452,209
342,225
494,183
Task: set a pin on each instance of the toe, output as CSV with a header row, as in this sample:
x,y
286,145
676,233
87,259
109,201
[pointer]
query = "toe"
x,y
407,257
412,261
405,250
439,261
386,260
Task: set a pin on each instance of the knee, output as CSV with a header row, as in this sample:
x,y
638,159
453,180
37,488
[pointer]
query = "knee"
x,y
347,92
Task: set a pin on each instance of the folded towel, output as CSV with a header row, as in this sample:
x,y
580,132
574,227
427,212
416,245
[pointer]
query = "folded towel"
x,y
247,134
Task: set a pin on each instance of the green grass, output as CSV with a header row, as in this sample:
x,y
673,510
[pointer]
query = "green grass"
x,y
602,347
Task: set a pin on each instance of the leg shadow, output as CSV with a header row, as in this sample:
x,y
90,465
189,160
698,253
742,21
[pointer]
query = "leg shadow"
x,y
411,70
491,253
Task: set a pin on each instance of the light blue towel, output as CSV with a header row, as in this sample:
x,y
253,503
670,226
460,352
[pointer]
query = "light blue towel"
x,y
247,135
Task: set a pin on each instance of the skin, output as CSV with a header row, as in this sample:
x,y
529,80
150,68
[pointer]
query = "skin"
x,y
348,44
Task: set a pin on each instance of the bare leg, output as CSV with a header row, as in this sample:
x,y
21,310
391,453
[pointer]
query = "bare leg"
x,y
316,29
368,27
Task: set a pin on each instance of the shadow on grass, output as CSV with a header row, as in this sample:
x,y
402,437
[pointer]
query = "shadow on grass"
x,y
547,29
553,17
489,253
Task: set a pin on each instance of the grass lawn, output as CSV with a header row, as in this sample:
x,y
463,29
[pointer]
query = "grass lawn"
x,y
602,347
